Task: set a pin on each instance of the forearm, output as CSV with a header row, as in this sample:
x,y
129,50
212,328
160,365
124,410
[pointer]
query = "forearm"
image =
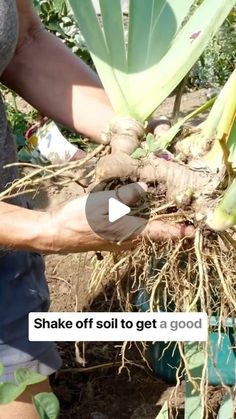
x,y
24,229
59,84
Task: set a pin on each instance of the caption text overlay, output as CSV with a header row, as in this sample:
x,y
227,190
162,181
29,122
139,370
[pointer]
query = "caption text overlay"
x,y
118,327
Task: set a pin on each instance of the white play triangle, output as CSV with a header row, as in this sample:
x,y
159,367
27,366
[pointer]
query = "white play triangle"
x,y
116,210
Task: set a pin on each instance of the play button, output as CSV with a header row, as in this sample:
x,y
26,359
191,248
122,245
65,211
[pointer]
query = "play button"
x,y
117,210
114,214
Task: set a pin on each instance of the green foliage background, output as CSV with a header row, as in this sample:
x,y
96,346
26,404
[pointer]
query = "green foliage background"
x,y
58,19
219,59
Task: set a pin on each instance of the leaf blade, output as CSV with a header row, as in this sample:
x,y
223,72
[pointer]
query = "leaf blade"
x,y
47,405
28,377
10,392
163,77
86,17
164,412
151,17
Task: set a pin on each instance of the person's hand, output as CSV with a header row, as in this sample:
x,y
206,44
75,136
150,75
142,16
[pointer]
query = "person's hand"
x,y
72,231
156,126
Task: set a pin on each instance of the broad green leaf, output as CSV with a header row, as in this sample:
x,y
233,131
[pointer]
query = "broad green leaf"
x,y
47,405
164,412
28,377
1,369
89,26
195,358
10,392
160,80
138,153
152,29
163,44
227,407
117,55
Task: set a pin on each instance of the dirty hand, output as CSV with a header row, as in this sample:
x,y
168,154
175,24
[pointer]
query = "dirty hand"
x,y
157,126
72,231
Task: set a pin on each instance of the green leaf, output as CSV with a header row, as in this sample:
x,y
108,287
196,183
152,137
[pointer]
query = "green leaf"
x,y
221,123
10,392
24,155
151,143
47,405
232,145
224,215
55,27
138,153
195,358
160,80
1,369
89,26
227,407
20,140
166,139
164,412
153,26
28,377
163,44
58,5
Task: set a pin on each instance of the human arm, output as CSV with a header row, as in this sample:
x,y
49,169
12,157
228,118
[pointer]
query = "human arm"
x,y
54,80
66,229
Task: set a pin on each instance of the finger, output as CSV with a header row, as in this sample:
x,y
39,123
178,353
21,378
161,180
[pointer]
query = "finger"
x,y
105,136
125,229
157,126
80,154
161,129
128,195
105,140
159,230
131,194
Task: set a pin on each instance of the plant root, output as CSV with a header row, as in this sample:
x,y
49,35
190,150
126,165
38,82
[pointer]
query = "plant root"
x,y
179,277
41,174
125,136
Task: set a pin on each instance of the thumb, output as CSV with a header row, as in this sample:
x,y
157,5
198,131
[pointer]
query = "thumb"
x,y
131,194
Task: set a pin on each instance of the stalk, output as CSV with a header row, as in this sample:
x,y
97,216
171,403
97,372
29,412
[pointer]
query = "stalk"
x,y
224,216
166,139
219,125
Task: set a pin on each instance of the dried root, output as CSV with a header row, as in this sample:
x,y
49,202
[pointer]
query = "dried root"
x,y
61,174
197,276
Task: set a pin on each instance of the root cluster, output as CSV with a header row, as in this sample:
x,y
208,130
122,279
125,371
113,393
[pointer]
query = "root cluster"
x,y
180,276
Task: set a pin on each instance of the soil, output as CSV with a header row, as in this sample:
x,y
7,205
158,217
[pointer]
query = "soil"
x,y
103,392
